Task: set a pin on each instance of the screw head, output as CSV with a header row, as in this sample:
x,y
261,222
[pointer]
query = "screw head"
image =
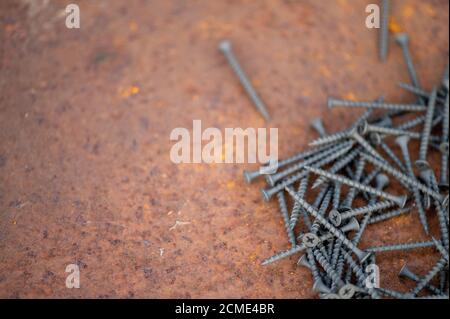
x,y
303,261
265,195
353,225
404,272
402,141
382,181
347,291
248,177
375,138
422,165
310,240
335,217
363,128
444,147
320,287
270,180
330,102
225,46
402,38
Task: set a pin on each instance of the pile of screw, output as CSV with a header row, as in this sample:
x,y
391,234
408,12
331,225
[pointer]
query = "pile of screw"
x,y
356,164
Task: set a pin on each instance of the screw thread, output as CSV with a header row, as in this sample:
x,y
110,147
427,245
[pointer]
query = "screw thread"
x,y
444,169
411,123
421,244
297,208
388,215
285,214
245,82
376,105
323,208
418,199
443,223
312,263
284,254
330,138
367,209
351,193
427,127
392,155
327,267
337,188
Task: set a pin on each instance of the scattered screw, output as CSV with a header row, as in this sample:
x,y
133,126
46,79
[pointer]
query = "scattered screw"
x,y
422,161
227,50
376,105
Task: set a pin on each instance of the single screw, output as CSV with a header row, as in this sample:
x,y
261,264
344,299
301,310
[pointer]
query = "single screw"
x,y
317,124
402,177
444,145
389,215
310,240
361,211
411,123
368,128
402,142
227,50
406,246
376,105
384,31
407,273
429,276
422,161
328,139
362,255
399,200
402,40
285,214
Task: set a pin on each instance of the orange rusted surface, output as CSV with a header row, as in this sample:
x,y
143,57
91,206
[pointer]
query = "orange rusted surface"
x,y
85,118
